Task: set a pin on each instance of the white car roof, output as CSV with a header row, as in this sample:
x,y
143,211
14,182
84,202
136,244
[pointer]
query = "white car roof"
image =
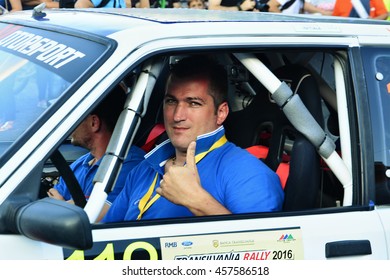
x,y
193,22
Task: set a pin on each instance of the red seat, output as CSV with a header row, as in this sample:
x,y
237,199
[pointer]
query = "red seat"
x,y
283,169
154,134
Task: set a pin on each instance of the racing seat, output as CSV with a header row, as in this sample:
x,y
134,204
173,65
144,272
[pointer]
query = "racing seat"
x,y
245,128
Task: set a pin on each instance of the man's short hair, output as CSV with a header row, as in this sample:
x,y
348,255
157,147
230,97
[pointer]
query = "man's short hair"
x,y
110,108
203,66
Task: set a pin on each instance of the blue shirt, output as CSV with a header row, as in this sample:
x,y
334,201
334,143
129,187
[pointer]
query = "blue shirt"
x,y
85,173
110,4
235,178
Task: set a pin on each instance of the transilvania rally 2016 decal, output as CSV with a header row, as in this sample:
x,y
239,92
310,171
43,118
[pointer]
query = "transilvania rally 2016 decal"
x,y
256,245
274,244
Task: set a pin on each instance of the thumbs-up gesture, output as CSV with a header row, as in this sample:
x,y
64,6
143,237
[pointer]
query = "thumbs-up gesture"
x,y
181,185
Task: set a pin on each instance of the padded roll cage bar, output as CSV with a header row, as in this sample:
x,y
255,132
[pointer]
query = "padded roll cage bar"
x,y
301,119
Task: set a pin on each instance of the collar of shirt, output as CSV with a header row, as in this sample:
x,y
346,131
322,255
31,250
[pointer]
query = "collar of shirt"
x,y
89,158
160,154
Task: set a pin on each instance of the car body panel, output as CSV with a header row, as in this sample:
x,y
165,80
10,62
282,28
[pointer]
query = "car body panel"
x,y
125,45
17,247
310,234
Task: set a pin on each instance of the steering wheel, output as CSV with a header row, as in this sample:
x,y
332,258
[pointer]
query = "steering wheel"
x,y
70,180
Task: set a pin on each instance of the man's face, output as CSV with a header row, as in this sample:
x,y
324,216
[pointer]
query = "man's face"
x,y
189,111
81,136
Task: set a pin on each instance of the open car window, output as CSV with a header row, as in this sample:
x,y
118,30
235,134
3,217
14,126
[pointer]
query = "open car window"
x,y
296,148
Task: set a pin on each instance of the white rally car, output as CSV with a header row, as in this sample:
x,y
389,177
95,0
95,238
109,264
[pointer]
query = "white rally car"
x,y
310,96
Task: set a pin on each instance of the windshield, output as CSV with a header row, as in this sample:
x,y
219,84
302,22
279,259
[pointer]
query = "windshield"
x,y
36,68
26,91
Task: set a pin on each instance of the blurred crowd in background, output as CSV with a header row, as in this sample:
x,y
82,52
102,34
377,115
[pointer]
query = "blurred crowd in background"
x,y
372,9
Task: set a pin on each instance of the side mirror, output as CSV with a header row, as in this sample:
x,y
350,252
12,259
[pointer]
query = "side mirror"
x,y
55,222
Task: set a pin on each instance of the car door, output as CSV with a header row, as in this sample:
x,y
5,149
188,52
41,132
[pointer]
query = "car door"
x,y
349,227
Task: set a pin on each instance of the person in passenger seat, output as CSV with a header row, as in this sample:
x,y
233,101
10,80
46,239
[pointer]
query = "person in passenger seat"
x,y
94,134
197,171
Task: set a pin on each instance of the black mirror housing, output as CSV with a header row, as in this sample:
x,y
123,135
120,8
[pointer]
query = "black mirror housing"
x,y
55,222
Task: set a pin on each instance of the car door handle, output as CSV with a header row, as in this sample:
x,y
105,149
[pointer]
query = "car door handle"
x,y
347,248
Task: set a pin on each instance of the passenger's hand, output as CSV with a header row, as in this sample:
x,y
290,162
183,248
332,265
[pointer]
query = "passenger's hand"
x,y
53,193
181,184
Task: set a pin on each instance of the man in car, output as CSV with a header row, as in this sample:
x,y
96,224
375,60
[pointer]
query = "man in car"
x,y
196,171
94,134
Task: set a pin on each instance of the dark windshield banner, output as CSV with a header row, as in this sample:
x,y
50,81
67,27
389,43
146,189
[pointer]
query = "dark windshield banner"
x,y
68,56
